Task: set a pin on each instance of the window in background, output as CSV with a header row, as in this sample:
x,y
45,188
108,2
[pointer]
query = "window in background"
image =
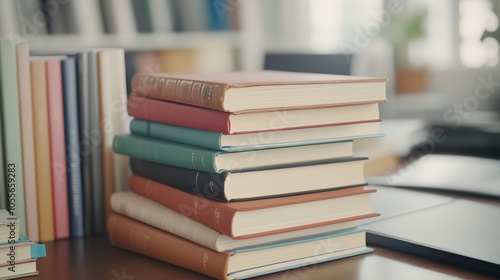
x,y
338,25
476,17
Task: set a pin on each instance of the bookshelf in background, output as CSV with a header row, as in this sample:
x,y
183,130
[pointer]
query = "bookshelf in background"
x,y
223,35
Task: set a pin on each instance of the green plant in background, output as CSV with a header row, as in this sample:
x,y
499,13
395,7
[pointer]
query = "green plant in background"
x,y
404,28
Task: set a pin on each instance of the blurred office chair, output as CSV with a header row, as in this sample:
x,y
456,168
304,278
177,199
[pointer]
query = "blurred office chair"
x,y
313,63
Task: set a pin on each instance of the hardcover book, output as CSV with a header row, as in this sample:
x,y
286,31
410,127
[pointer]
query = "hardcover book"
x,y
264,183
260,90
262,217
28,140
114,120
42,150
57,147
230,123
238,264
13,153
24,249
253,141
73,152
149,212
202,159
84,125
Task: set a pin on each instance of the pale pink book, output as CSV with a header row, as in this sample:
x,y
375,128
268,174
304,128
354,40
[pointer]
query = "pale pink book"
x,y
57,148
26,109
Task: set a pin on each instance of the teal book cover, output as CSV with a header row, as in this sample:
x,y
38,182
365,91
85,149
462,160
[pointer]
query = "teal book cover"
x,y
12,131
212,140
166,152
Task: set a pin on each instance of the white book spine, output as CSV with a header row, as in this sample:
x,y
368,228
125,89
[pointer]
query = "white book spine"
x,y
154,214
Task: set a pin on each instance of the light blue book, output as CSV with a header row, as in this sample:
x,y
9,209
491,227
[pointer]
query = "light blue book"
x,y
73,155
254,141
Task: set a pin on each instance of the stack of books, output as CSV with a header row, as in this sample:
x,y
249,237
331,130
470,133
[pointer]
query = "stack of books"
x,y
19,253
246,173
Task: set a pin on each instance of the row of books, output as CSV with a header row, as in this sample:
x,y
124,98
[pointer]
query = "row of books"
x,y
95,17
19,253
59,115
242,174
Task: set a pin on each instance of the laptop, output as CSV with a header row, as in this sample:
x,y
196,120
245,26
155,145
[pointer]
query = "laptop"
x,y
453,229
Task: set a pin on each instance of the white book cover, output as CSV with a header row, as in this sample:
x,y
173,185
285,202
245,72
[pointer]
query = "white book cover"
x,y
147,211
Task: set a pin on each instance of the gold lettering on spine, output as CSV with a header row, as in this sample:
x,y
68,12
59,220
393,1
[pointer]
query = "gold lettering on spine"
x,y
205,261
217,217
196,210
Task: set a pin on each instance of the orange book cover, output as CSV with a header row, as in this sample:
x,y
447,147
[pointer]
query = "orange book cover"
x,y
146,240
57,148
219,215
42,150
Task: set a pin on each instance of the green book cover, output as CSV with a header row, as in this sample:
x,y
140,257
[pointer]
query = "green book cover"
x,y
166,152
196,137
12,130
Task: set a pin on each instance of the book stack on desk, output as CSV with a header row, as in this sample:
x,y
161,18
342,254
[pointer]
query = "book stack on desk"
x,y
246,173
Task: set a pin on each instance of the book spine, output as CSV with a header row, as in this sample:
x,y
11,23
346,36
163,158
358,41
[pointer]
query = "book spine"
x,y
205,184
42,151
12,131
155,243
96,153
85,139
3,182
121,120
28,141
165,152
107,128
178,114
208,212
180,134
57,148
73,153
201,94
144,210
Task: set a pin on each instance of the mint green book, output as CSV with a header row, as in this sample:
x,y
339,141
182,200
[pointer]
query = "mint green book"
x,y
202,159
13,154
255,141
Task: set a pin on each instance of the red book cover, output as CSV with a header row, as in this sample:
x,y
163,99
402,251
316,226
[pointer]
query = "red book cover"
x,y
175,113
219,215
57,148
178,114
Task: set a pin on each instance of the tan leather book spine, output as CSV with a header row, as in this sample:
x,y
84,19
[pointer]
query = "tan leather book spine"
x,y
198,93
42,150
155,243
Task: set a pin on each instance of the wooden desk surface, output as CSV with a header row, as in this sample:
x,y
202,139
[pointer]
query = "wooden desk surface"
x,y
94,258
